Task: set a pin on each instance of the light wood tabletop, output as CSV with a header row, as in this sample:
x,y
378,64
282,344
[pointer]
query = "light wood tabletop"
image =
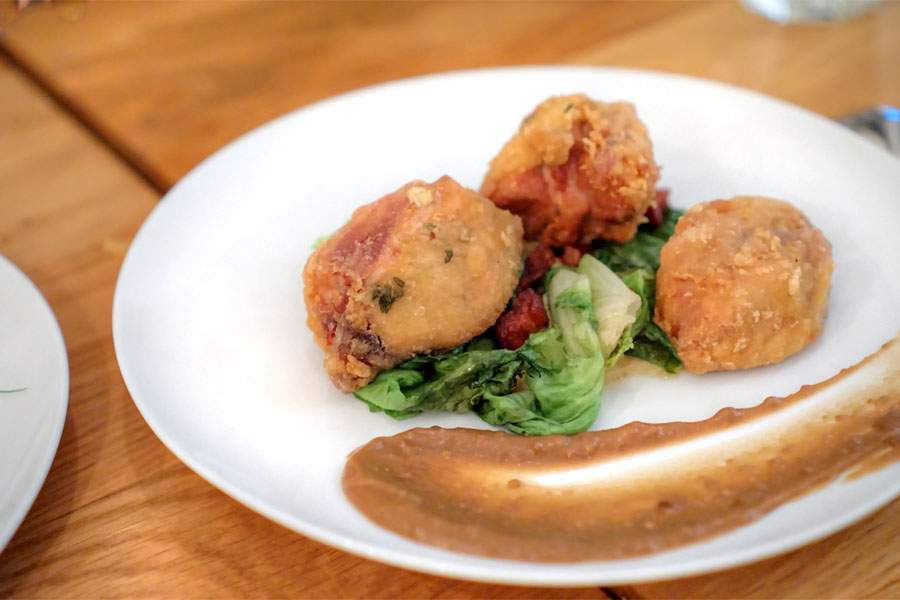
x,y
105,105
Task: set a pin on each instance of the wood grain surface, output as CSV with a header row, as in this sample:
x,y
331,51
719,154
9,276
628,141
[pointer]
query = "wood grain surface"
x,y
106,104
230,66
168,83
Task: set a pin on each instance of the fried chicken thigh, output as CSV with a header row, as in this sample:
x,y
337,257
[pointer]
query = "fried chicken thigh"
x,y
419,271
577,170
742,283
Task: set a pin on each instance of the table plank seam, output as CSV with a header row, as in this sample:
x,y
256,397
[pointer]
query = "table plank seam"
x,y
93,126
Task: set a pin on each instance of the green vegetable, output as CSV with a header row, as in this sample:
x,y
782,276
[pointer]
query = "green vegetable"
x,y
654,346
572,311
642,251
616,307
564,400
641,282
567,391
636,262
453,382
564,394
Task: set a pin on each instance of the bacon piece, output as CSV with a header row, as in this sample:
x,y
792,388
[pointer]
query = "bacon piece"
x,y
537,264
657,209
571,255
526,316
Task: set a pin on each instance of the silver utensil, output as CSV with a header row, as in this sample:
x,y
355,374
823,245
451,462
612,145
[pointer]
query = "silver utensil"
x,y
880,125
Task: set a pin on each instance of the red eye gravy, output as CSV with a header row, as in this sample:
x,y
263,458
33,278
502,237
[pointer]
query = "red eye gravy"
x,y
635,490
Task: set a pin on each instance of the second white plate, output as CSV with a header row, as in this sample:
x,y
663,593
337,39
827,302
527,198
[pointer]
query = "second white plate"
x,y
33,362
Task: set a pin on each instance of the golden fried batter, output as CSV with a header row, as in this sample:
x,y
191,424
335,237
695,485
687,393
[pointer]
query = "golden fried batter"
x,y
577,170
742,283
421,270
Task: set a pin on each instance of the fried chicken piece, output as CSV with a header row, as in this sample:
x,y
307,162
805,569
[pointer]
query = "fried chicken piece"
x,y
742,283
421,270
577,170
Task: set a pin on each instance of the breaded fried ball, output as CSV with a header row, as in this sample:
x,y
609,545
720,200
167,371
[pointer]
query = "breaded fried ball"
x,y
742,283
577,170
421,270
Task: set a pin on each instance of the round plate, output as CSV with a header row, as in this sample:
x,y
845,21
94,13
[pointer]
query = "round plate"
x,y
34,374
209,322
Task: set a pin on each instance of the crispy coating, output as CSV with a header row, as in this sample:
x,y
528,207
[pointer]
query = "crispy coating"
x,y
421,270
742,283
577,170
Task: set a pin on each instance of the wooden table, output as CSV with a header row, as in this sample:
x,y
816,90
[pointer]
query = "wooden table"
x,y
105,105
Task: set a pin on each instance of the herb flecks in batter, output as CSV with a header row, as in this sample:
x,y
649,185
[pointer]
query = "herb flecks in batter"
x,y
387,294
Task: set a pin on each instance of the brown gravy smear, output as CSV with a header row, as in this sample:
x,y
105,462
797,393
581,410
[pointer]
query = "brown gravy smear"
x,y
638,489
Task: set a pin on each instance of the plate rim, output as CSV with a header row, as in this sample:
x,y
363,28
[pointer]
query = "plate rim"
x,y
61,405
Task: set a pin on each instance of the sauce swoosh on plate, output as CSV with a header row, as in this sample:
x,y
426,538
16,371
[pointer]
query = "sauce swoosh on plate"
x,y
634,490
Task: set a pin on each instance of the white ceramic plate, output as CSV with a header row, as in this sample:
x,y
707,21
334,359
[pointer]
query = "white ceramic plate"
x,y
32,360
209,321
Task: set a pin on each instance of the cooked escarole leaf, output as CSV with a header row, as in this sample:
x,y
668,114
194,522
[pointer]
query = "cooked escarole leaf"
x,y
654,346
642,251
454,382
616,307
563,398
566,389
636,262
642,283
572,311
650,342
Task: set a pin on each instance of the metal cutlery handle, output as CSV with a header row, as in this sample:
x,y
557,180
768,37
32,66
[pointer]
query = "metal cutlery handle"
x,y
880,124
